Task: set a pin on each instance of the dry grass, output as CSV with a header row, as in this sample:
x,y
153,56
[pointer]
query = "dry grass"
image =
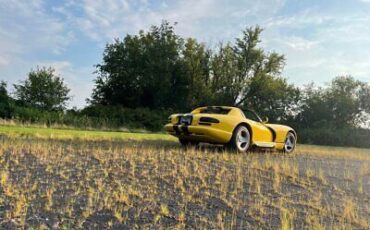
x,y
69,184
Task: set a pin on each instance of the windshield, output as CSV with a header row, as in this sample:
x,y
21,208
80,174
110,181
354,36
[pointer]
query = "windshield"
x,y
249,114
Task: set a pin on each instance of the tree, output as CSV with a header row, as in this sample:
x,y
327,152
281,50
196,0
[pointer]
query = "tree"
x,y
196,60
245,75
4,98
144,70
253,62
343,99
226,85
339,105
5,102
314,111
43,89
159,69
272,97
236,66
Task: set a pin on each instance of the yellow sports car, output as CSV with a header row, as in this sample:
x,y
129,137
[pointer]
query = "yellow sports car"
x,y
240,129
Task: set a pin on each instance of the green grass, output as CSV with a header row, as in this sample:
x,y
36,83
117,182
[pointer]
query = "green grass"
x,y
52,133
14,131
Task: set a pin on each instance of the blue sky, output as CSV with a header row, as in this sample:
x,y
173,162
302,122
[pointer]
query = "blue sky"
x,y
320,39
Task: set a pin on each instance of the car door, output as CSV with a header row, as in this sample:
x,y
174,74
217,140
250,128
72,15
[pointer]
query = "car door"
x,y
261,133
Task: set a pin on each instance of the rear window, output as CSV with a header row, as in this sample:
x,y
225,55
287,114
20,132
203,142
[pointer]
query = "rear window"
x,y
215,110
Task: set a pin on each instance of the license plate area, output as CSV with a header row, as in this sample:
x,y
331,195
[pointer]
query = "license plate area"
x,y
186,120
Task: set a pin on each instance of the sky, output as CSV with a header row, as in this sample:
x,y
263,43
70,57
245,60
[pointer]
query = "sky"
x,y
321,39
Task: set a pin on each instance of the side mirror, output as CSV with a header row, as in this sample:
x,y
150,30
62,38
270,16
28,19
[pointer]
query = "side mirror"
x,y
265,120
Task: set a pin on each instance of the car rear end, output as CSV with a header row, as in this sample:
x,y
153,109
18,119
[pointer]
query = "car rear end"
x,y
202,125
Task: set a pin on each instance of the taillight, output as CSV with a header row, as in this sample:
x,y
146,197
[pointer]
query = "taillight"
x,y
208,120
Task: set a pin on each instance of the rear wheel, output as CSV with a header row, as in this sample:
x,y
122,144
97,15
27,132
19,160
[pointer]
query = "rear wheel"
x,y
290,143
241,139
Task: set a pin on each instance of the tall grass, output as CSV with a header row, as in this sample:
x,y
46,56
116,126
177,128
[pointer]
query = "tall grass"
x,y
118,183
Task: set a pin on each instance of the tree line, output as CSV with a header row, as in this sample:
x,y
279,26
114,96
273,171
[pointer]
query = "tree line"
x,y
143,78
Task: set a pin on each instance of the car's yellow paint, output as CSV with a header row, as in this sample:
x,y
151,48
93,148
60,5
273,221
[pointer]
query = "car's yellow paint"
x,y
262,134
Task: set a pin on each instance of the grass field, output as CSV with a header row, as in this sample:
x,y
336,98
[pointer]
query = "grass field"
x,y
70,179
53,133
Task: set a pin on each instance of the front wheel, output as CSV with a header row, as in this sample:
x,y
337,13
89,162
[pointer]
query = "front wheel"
x,y
290,143
241,139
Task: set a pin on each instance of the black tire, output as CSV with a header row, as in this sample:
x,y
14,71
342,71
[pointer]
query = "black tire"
x,y
290,143
241,139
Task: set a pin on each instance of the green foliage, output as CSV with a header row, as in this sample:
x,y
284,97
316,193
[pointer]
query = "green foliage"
x,y
144,70
63,133
340,105
196,60
117,116
272,97
145,77
6,110
258,84
159,69
355,137
3,92
95,117
43,89
236,66
225,84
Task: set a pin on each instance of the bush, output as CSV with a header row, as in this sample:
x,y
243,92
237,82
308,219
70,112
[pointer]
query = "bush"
x,y
33,115
335,137
118,118
94,117
6,111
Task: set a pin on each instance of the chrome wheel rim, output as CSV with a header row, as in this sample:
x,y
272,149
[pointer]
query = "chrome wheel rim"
x,y
242,139
289,143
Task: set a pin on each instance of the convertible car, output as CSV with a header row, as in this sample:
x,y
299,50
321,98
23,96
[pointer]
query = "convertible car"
x,y
239,129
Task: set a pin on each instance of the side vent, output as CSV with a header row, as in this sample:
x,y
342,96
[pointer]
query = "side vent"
x,y
208,121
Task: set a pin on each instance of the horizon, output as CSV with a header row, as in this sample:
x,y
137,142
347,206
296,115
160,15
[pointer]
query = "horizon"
x,y
320,40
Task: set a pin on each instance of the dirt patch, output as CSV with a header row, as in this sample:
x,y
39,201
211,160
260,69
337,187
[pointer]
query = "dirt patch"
x,y
156,184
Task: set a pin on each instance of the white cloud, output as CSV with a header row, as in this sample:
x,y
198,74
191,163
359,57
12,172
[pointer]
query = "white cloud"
x,y
29,27
319,42
320,45
300,44
3,61
28,31
107,19
308,17
104,19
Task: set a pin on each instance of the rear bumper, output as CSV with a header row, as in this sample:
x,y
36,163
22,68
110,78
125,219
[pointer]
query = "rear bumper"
x,y
199,133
